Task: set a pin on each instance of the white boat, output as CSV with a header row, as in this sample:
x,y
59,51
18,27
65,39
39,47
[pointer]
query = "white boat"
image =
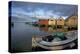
x,y
59,41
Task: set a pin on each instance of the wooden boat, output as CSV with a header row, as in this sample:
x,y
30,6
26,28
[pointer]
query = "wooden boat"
x,y
59,41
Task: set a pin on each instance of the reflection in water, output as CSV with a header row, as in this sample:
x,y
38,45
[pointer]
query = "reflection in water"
x,y
43,29
21,36
51,29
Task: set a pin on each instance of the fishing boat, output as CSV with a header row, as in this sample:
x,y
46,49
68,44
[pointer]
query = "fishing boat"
x,y
57,40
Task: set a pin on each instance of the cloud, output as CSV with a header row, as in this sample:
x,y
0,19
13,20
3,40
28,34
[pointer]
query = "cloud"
x,y
39,10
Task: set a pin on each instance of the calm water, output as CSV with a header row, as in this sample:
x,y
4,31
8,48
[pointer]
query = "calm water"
x,y
21,36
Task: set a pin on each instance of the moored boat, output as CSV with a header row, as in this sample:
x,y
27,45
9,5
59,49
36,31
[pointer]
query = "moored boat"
x,y
58,40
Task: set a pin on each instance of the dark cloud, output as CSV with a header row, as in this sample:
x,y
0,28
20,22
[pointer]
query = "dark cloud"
x,y
57,9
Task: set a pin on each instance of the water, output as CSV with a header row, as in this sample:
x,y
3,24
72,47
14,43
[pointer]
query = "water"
x,y
21,36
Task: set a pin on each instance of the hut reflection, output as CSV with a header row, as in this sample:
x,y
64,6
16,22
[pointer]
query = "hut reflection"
x,y
51,29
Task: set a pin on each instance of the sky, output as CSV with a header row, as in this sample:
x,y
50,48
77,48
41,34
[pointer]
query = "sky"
x,y
42,10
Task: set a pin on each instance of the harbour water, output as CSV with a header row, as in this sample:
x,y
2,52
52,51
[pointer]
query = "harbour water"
x,y
21,36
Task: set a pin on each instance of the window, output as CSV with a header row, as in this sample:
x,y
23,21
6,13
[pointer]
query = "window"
x,y
51,20
60,20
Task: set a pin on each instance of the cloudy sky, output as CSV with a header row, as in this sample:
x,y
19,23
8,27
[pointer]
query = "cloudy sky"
x,y
41,10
